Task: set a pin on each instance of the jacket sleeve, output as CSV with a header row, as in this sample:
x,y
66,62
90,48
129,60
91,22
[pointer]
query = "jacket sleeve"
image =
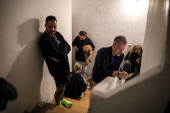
x,y
50,50
67,45
126,66
102,64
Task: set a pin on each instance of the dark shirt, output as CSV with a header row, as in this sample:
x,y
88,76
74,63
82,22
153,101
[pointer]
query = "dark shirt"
x,y
79,55
51,49
130,70
76,86
105,64
139,65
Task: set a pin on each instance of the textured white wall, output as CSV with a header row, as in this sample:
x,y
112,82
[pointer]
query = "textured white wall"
x,y
103,20
21,62
156,30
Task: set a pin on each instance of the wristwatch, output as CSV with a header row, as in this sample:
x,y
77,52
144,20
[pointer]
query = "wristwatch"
x,y
119,77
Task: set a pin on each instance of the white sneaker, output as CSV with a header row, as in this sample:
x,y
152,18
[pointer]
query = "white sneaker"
x,y
83,93
88,87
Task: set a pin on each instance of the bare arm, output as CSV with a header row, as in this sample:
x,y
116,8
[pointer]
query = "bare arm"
x,y
75,48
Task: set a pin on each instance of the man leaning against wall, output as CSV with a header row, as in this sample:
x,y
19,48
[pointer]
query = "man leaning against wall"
x,y
55,49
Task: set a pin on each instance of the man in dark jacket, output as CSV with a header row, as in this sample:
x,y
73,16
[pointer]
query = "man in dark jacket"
x,y
108,60
55,49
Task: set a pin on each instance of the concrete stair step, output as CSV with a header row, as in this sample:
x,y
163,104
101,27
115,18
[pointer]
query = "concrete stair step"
x,y
51,108
80,105
58,109
77,106
65,110
42,110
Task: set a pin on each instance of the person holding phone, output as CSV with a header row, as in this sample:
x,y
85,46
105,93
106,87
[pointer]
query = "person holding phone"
x,y
132,64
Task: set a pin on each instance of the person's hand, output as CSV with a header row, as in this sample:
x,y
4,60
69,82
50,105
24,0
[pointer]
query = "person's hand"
x,y
124,75
75,48
55,60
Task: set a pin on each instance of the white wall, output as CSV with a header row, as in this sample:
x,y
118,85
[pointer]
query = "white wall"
x,y
156,30
21,62
103,20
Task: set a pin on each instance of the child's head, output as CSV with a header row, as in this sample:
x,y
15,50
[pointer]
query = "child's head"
x,y
77,67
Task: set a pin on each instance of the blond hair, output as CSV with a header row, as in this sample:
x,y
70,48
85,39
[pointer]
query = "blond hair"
x,y
136,47
77,67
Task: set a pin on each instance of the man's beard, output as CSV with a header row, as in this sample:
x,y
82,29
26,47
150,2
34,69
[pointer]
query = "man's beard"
x,y
52,33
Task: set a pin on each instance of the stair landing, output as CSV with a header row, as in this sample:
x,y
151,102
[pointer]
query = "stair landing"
x,y
80,105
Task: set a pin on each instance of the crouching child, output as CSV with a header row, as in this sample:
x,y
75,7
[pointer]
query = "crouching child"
x,y
77,84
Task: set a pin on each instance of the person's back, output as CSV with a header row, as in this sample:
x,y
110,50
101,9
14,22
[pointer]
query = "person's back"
x,y
76,86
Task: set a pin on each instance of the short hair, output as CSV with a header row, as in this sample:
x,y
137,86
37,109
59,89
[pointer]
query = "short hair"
x,y
82,33
77,67
50,18
119,39
7,90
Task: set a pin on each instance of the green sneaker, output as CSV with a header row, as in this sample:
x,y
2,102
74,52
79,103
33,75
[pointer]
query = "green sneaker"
x,y
61,105
66,103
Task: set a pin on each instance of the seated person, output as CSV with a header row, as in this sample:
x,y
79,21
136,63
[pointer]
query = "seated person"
x,y
138,48
7,92
77,84
131,64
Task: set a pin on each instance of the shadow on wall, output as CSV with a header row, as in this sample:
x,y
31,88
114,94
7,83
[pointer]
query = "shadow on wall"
x,y
27,71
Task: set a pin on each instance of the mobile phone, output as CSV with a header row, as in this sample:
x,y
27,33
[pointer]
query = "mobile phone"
x,y
131,74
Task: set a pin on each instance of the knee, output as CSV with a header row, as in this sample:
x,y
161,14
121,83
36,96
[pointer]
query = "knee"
x,y
60,89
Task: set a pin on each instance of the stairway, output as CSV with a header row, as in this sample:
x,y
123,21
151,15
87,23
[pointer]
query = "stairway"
x,y
80,105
